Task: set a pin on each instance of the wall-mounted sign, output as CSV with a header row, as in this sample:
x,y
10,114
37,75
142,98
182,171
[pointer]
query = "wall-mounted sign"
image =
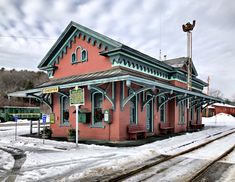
x,y
44,118
77,97
50,90
52,118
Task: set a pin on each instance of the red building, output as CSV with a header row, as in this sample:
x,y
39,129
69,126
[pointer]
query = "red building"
x,y
133,88
220,108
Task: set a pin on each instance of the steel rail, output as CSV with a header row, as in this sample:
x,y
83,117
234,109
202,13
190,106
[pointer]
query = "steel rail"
x,y
157,161
201,172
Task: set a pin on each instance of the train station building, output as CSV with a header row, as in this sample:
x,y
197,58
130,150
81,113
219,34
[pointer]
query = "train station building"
x,y
123,88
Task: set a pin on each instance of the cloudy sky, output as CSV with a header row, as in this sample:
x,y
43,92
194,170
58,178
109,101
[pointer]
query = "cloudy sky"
x,y
28,28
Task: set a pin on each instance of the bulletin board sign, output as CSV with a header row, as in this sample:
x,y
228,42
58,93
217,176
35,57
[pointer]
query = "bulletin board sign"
x,y
77,97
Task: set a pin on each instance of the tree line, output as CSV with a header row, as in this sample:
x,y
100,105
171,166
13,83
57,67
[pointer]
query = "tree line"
x,y
13,80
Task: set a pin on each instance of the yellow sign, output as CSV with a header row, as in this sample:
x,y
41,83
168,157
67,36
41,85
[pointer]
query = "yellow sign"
x,y
77,97
52,118
50,90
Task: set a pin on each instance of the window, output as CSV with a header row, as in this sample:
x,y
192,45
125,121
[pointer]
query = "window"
x,y
192,114
181,113
133,108
132,113
97,99
84,55
74,59
162,111
198,115
64,102
80,55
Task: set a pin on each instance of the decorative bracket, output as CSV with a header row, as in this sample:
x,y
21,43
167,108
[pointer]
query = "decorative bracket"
x,y
100,90
134,93
182,99
195,102
63,93
166,100
153,97
44,98
202,103
212,102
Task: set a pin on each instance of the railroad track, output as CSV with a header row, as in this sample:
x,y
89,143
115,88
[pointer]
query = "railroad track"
x,y
203,172
115,177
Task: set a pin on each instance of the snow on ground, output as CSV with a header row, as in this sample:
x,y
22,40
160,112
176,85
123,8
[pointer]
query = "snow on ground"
x,y
229,175
58,159
6,160
220,119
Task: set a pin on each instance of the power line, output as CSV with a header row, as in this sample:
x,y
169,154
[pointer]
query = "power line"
x,y
25,37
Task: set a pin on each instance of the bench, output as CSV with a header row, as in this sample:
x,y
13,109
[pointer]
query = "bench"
x,y
135,130
165,129
196,126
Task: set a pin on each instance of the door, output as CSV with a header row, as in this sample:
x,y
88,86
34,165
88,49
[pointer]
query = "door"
x,y
149,116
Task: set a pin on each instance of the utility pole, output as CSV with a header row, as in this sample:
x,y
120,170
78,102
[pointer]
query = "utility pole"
x,y
208,93
188,27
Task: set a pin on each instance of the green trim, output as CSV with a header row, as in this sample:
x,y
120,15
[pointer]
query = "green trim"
x,y
113,91
162,109
192,114
97,125
123,90
67,124
151,107
75,27
137,110
93,123
65,45
181,110
138,59
155,75
96,35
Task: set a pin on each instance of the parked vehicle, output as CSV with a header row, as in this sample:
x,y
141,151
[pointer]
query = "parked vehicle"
x,y
7,113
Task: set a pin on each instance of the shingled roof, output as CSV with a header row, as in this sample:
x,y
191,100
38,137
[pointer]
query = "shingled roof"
x,y
179,63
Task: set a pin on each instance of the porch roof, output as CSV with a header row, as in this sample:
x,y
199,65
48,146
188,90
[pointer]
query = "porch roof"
x,y
112,75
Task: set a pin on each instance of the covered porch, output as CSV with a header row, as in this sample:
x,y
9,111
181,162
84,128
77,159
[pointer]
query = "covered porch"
x,y
130,98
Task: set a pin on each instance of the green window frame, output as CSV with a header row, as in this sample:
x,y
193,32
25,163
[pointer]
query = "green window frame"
x,y
181,109
162,111
64,110
84,55
97,104
192,114
198,114
73,58
133,108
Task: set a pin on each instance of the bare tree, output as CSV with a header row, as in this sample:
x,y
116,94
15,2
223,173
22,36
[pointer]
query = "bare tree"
x,y
216,93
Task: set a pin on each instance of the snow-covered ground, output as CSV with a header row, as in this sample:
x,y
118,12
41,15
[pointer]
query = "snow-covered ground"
x,y
55,160
221,119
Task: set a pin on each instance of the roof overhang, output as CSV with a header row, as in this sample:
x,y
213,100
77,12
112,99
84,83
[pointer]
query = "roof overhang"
x,y
25,93
134,79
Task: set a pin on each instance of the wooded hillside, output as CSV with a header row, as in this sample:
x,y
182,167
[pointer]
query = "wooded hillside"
x,y
12,80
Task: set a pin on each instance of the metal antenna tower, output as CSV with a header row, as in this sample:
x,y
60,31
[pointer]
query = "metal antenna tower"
x,y
188,27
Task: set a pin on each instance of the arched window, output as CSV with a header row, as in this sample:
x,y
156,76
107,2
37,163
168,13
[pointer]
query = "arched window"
x,y
64,102
133,108
84,55
162,111
198,115
181,113
74,59
97,99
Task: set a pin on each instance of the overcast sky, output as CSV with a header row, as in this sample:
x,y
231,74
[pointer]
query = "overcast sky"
x,y
28,28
